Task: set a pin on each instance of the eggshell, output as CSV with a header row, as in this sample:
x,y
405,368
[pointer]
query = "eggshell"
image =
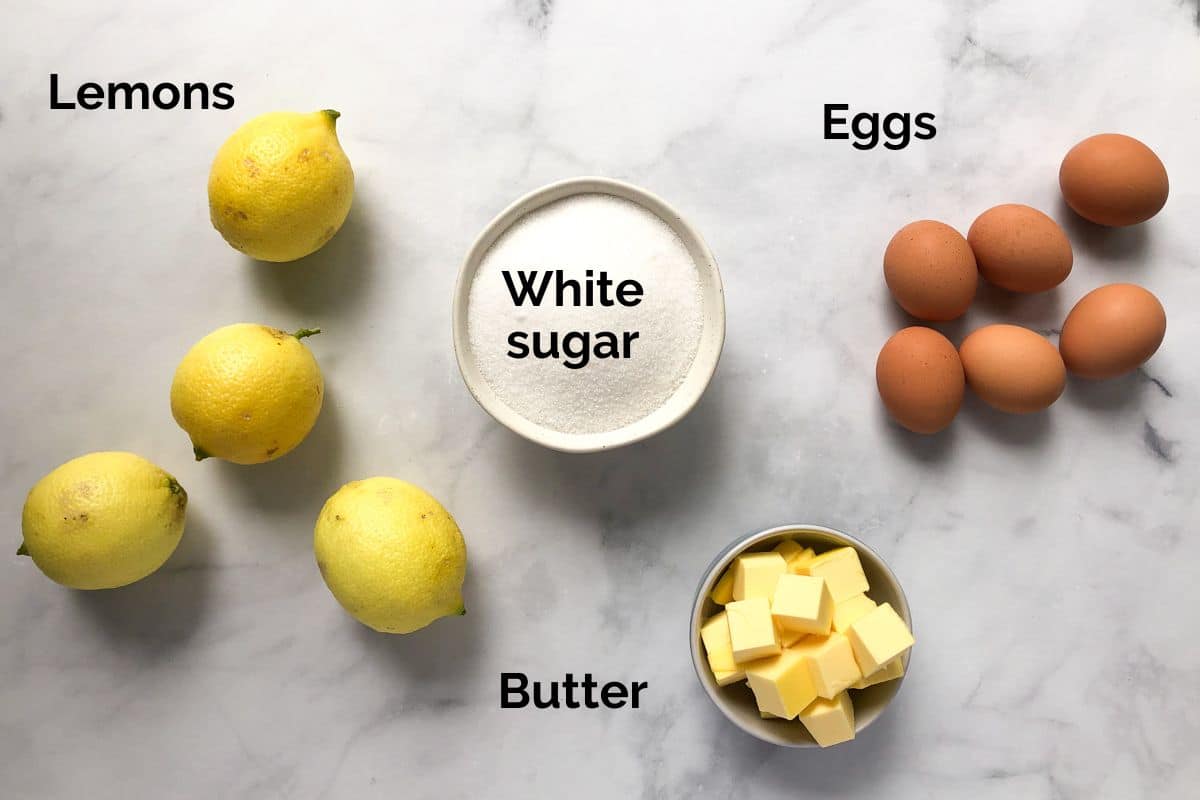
x,y
1112,330
1020,249
1112,179
1012,368
930,270
920,379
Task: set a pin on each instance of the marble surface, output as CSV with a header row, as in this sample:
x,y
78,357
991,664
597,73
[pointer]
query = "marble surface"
x,y
1052,562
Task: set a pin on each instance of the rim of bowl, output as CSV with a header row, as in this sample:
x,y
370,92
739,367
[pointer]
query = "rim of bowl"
x,y
699,374
712,574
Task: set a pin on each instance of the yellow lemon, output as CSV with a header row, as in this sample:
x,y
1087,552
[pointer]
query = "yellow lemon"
x,y
391,555
247,393
103,520
281,186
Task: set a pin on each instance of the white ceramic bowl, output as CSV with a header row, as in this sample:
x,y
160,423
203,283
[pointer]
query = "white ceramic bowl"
x,y
736,701
712,337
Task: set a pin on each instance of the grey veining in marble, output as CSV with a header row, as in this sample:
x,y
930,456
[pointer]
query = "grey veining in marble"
x,y
1052,562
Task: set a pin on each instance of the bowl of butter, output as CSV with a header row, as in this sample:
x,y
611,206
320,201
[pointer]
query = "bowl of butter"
x,y
801,635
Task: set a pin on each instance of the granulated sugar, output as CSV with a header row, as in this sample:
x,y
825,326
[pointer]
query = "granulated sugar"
x,y
640,346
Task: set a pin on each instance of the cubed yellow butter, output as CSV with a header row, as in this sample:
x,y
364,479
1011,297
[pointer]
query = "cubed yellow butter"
x,y
792,553
751,629
797,564
802,603
878,637
782,685
766,714
890,671
788,638
831,662
842,570
787,548
755,574
722,593
830,721
849,611
715,635
726,678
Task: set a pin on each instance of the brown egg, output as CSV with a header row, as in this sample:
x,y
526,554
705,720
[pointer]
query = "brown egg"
x,y
1020,249
930,270
1012,368
920,379
1112,330
1112,179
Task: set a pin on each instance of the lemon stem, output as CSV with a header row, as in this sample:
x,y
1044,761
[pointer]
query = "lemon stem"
x,y
22,550
462,611
304,333
199,452
332,115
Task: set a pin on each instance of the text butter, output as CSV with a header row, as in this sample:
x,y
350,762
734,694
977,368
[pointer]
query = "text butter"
x,y
517,691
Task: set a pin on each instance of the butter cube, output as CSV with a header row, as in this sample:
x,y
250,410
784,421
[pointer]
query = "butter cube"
x,y
726,678
803,603
788,549
755,574
831,662
787,638
847,612
878,637
751,629
797,564
830,721
715,635
782,685
890,671
767,714
722,593
793,554
842,570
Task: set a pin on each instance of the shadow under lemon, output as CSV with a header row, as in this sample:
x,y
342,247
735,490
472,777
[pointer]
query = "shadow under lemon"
x,y
447,648
300,481
163,610
329,283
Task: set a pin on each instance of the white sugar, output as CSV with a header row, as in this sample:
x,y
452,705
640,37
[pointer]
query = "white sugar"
x,y
613,386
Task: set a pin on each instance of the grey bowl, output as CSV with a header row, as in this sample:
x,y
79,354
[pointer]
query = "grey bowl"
x,y
736,701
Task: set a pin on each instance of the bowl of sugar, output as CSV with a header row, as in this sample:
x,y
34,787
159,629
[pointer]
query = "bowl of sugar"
x,y
588,315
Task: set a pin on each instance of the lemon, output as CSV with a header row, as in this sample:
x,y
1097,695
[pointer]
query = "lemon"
x,y
281,186
247,393
391,555
103,520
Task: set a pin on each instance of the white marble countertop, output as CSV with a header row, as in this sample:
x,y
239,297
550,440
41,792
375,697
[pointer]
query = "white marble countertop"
x,y
1052,562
